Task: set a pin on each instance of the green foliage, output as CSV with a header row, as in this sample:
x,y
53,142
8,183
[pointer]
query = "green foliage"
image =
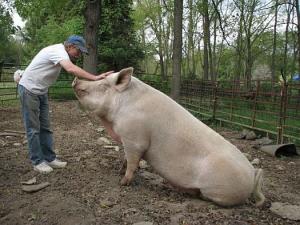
x,y
49,22
118,44
62,90
6,31
157,82
226,67
54,32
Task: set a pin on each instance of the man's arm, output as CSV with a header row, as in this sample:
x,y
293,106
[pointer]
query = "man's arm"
x,y
78,72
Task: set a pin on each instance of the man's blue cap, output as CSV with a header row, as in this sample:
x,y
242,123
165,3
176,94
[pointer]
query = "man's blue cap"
x,y
79,42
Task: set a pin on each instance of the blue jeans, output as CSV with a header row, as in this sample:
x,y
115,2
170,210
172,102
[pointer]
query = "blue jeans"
x,y
35,112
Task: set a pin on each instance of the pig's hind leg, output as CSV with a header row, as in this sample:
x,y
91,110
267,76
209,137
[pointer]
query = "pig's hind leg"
x,y
133,154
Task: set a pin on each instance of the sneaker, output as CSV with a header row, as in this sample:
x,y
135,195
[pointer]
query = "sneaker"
x,y
56,163
43,168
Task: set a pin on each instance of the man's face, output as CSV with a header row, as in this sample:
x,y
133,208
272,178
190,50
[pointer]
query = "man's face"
x,y
74,53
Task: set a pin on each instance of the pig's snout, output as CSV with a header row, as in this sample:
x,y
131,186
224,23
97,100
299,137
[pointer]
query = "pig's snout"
x,y
79,88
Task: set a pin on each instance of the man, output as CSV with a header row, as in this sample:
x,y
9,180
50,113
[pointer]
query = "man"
x,y
33,90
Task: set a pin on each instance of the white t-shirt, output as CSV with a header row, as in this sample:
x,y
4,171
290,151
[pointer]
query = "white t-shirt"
x,y
44,69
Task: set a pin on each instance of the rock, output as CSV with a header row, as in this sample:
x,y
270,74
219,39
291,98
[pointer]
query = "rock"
x,y
143,223
143,164
35,187
243,134
29,182
262,141
17,144
250,135
149,176
110,147
255,161
247,134
279,167
88,152
286,210
107,203
100,129
103,141
152,178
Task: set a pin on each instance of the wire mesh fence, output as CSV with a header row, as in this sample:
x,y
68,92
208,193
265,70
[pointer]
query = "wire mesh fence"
x,y
270,108
61,90
265,107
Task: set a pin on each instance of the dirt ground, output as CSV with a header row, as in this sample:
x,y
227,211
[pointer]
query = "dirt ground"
x,y
87,191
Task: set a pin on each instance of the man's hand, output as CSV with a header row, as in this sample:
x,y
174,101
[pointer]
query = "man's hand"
x,y
103,75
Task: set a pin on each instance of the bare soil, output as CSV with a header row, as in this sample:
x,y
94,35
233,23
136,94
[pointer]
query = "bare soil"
x,y
88,192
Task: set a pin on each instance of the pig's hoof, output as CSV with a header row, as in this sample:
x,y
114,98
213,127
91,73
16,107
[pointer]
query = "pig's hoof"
x,y
125,181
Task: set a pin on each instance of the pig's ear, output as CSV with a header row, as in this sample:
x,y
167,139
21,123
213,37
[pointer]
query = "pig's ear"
x,y
124,78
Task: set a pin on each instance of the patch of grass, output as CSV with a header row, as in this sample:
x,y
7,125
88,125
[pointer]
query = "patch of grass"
x,y
61,93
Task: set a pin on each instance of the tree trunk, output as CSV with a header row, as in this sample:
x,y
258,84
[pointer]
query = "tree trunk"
x,y
274,46
190,48
298,26
239,48
206,39
92,15
167,33
161,46
249,62
289,9
214,54
249,59
177,49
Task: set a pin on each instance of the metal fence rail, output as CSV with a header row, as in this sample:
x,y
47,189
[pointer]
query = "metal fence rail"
x,y
61,90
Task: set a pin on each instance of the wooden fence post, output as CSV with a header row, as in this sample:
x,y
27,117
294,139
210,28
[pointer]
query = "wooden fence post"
x,y
233,96
255,103
215,99
1,66
282,113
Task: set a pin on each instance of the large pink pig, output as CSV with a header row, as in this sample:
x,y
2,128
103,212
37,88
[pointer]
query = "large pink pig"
x,y
182,149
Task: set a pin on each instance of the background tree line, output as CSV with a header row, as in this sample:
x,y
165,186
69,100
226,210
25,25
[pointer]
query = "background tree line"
x,y
222,39
106,25
210,39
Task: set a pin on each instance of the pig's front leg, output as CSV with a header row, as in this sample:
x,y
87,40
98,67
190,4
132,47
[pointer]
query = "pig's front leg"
x,y
133,155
